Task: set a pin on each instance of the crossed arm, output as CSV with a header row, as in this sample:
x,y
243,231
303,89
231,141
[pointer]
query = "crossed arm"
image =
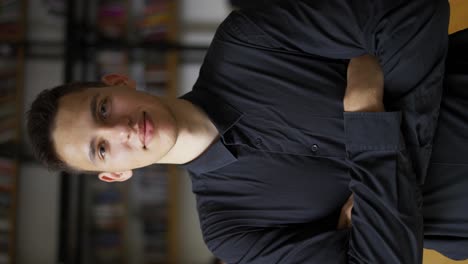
x,y
364,93
407,38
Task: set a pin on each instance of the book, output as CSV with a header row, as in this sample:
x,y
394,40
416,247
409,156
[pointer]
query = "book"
x,y
7,166
108,210
7,109
8,123
111,19
5,199
7,135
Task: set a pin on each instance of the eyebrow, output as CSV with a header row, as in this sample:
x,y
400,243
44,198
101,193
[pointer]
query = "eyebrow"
x,y
92,110
92,151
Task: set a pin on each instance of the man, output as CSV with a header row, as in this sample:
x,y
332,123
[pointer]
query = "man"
x,y
271,154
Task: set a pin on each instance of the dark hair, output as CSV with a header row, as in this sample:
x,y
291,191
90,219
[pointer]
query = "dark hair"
x,y
41,120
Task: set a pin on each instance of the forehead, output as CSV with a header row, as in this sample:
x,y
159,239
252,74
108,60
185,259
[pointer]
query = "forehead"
x,y
72,128
76,102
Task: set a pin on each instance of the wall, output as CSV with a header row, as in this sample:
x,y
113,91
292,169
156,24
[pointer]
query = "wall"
x,y
37,216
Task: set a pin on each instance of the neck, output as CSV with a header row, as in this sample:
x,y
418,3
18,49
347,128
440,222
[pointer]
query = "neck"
x,y
195,133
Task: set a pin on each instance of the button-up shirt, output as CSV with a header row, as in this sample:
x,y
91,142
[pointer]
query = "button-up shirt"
x,y
445,189
271,188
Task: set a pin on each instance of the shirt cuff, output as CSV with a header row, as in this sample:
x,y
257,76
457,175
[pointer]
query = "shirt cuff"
x,y
373,130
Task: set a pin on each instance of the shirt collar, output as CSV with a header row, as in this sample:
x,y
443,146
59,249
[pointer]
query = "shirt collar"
x,y
223,117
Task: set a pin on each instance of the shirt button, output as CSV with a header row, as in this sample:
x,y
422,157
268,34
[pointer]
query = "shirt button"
x,y
315,148
258,141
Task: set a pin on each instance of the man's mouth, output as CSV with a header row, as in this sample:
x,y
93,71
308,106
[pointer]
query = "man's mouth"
x,y
146,130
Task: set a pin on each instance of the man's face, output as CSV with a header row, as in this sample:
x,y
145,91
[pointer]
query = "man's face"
x,y
112,129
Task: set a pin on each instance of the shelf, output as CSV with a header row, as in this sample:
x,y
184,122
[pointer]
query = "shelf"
x,y
8,98
12,28
7,74
11,39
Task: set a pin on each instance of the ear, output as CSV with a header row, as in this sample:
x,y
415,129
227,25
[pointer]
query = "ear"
x,y
115,79
115,176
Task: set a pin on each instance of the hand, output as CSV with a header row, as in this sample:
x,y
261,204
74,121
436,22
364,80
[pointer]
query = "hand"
x,y
345,216
365,85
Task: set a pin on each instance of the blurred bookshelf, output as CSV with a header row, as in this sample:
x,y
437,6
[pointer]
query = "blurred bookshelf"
x,y
12,32
134,221
12,20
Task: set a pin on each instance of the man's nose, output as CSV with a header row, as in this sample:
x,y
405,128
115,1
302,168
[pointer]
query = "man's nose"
x,y
118,131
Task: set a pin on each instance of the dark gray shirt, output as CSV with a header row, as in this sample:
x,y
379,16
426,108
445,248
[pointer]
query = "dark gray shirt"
x,y
271,188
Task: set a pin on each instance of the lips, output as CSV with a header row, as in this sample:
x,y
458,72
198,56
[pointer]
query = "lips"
x,y
146,130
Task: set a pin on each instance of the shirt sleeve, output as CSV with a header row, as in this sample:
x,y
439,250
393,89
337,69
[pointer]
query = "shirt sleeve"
x,y
387,223
409,38
411,45
331,29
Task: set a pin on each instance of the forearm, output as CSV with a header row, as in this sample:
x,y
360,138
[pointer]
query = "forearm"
x,y
385,205
364,90
386,216
364,93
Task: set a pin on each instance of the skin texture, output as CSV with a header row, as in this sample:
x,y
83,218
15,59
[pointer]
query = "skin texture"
x,y
345,215
181,131
364,90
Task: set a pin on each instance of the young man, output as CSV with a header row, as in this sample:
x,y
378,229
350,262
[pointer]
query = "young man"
x,y
272,156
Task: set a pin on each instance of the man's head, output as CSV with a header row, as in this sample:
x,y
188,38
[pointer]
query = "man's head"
x,y
106,127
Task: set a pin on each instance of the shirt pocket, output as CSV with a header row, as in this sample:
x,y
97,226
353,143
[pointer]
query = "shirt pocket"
x,y
269,136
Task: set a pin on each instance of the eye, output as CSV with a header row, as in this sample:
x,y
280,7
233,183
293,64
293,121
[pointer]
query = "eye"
x,y
102,151
103,109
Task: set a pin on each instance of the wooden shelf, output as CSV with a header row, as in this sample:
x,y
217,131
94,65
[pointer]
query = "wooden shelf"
x,y
10,165
7,74
12,39
8,98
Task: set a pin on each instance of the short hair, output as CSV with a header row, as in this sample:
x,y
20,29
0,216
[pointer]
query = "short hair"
x,y
41,120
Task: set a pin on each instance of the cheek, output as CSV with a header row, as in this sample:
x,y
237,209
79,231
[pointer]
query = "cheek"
x,y
121,158
125,159
121,108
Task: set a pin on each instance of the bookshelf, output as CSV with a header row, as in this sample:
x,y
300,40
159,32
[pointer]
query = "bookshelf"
x,y
133,221
12,32
12,20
